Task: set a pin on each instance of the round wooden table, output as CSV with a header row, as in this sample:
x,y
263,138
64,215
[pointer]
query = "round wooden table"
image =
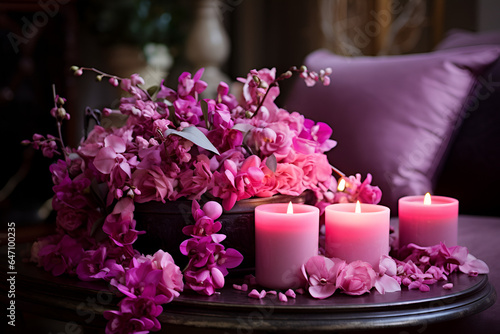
x,y
76,302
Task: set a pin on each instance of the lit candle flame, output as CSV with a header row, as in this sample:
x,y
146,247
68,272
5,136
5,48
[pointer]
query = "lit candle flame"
x,y
358,208
289,210
341,185
427,199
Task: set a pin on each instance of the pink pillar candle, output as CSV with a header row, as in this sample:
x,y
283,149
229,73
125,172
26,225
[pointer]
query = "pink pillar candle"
x,y
283,242
353,236
428,224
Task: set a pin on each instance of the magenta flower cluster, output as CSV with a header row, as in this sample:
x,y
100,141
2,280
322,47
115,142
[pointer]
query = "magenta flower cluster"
x,y
174,144
209,261
148,282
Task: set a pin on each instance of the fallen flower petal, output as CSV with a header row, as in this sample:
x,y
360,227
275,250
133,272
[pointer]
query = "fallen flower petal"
x,y
282,297
386,283
290,293
424,288
254,294
448,286
473,266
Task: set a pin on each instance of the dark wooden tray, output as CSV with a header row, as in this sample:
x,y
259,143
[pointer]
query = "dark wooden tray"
x,y
68,299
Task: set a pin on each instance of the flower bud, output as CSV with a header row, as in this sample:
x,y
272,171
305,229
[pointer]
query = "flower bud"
x,y
60,101
78,72
61,113
99,78
74,68
286,75
113,81
303,68
248,114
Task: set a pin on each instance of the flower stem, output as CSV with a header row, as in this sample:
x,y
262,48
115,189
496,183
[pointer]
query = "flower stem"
x,y
273,84
337,171
59,123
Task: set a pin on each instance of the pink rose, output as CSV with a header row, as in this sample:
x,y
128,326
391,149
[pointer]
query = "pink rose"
x,y
171,283
289,179
316,168
195,182
152,184
356,278
269,184
69,219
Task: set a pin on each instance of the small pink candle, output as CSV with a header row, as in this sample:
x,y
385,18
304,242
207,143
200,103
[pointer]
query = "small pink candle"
x,y
428,224
283,242
352,235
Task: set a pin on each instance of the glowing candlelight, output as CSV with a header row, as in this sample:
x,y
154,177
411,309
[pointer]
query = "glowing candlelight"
x,y
427,199
357,209
341,185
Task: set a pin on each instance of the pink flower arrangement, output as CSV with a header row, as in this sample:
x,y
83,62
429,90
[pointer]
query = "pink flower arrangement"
x,y
175,144
418,268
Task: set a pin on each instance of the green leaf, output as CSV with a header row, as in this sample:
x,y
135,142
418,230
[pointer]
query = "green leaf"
x,y
271,163
204,109
194,135
152,90
99,191
171,115
98,223
243,127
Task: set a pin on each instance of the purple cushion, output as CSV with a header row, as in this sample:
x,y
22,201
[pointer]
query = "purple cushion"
x,y
392,116
476,149
457,38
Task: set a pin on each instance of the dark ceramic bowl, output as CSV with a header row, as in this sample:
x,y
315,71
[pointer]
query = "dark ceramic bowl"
x,y
163,223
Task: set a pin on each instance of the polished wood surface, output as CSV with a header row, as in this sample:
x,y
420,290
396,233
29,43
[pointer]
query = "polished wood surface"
x,y
74,302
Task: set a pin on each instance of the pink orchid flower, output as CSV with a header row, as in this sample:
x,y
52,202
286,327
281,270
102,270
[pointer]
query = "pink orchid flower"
x,y
321,274
110,157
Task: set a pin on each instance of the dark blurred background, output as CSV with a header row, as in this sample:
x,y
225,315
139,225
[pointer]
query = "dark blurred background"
x,y
40,40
